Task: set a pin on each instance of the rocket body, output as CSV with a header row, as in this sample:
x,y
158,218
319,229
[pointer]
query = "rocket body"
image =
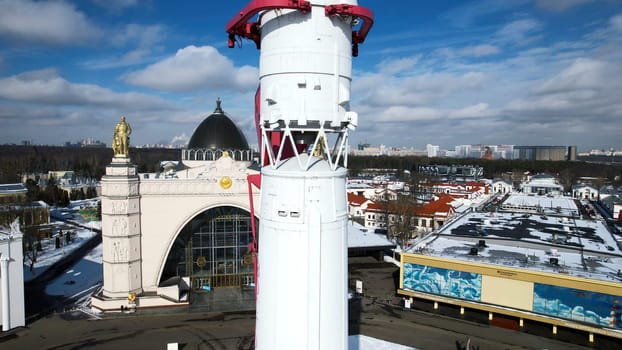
x,y
305,67
302,295
303,101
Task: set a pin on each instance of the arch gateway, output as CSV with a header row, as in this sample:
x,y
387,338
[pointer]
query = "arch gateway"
x,y
187,227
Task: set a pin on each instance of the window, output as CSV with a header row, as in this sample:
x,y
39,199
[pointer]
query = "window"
x,y
211,244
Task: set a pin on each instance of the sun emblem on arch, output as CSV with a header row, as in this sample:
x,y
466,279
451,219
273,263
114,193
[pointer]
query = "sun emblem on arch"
x,y
225,182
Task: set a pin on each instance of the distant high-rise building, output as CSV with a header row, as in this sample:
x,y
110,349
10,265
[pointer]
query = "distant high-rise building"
x,y
432,150
555,153
572,153
488,154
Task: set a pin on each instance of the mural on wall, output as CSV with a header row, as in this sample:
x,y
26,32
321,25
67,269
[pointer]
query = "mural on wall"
x,y
578,305
436,280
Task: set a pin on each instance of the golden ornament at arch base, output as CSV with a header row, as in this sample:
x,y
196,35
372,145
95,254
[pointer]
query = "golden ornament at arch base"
x,y
225,182
201,261
247,259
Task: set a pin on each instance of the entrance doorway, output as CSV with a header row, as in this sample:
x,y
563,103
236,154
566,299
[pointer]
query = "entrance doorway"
x,y
211,250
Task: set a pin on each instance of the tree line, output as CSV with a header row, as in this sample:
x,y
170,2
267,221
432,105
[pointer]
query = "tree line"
x,y
568,172
84,161
92,162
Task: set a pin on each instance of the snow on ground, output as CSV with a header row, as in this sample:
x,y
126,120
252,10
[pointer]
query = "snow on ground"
x,y
359,237
85,275
80,279
51,255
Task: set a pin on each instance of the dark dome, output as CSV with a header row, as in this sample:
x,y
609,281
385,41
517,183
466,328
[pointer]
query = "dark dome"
x,y
217,131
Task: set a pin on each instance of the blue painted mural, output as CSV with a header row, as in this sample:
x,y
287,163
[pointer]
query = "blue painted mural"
x,y
578,305
436,280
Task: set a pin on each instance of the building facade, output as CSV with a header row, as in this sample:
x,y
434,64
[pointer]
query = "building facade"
x,y
11,277
554,153
536,260
501,186
183,228
582,191
542,184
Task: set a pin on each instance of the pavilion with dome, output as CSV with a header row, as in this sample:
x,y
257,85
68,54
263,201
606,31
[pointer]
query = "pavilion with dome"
x,y
186,228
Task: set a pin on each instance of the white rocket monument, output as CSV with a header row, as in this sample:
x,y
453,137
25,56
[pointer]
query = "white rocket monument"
x,y
303,119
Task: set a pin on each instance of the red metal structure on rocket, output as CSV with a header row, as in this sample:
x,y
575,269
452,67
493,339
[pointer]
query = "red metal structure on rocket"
x,y
303,120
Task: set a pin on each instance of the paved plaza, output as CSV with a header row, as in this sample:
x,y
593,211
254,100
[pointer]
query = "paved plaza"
x,y
376,314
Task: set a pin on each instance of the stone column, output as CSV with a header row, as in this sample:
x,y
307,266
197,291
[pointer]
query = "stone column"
x,y
4,291
121,229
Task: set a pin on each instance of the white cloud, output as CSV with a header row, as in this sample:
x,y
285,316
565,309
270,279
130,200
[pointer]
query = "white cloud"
x,y
45,22
401,114
615,23
466,14
143,39
519,32
47,87
468,51
116,5
560,93
180,139
475,111
194,68
584,73
559,5
414,91
585,91
479,50
397,65
143,35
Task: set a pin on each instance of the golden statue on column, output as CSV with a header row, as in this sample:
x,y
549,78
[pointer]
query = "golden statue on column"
x,y
121,139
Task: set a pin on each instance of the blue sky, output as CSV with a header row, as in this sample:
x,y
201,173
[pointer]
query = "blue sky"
x,y
522,72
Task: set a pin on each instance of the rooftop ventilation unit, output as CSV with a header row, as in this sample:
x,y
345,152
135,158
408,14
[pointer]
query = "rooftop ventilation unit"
x,y
473,251
481,243
554,261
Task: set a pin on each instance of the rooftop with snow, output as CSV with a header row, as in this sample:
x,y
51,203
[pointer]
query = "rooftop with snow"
x,y
543,234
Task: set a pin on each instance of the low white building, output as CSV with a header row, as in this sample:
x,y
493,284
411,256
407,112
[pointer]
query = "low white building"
x,y
583,191
542,184
357,205
11,278
360,188
501,186
384,194
613,204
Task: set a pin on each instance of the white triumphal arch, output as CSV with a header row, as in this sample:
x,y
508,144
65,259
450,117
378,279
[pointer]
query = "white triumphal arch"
x,y
185,227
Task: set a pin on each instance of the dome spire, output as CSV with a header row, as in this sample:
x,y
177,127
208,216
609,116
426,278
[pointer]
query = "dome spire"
x,y
218,107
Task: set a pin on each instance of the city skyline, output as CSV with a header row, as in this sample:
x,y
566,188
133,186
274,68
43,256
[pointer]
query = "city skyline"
x,y
513,72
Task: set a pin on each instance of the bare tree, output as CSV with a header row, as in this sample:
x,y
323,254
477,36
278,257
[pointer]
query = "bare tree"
x,y
32,246
400,219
